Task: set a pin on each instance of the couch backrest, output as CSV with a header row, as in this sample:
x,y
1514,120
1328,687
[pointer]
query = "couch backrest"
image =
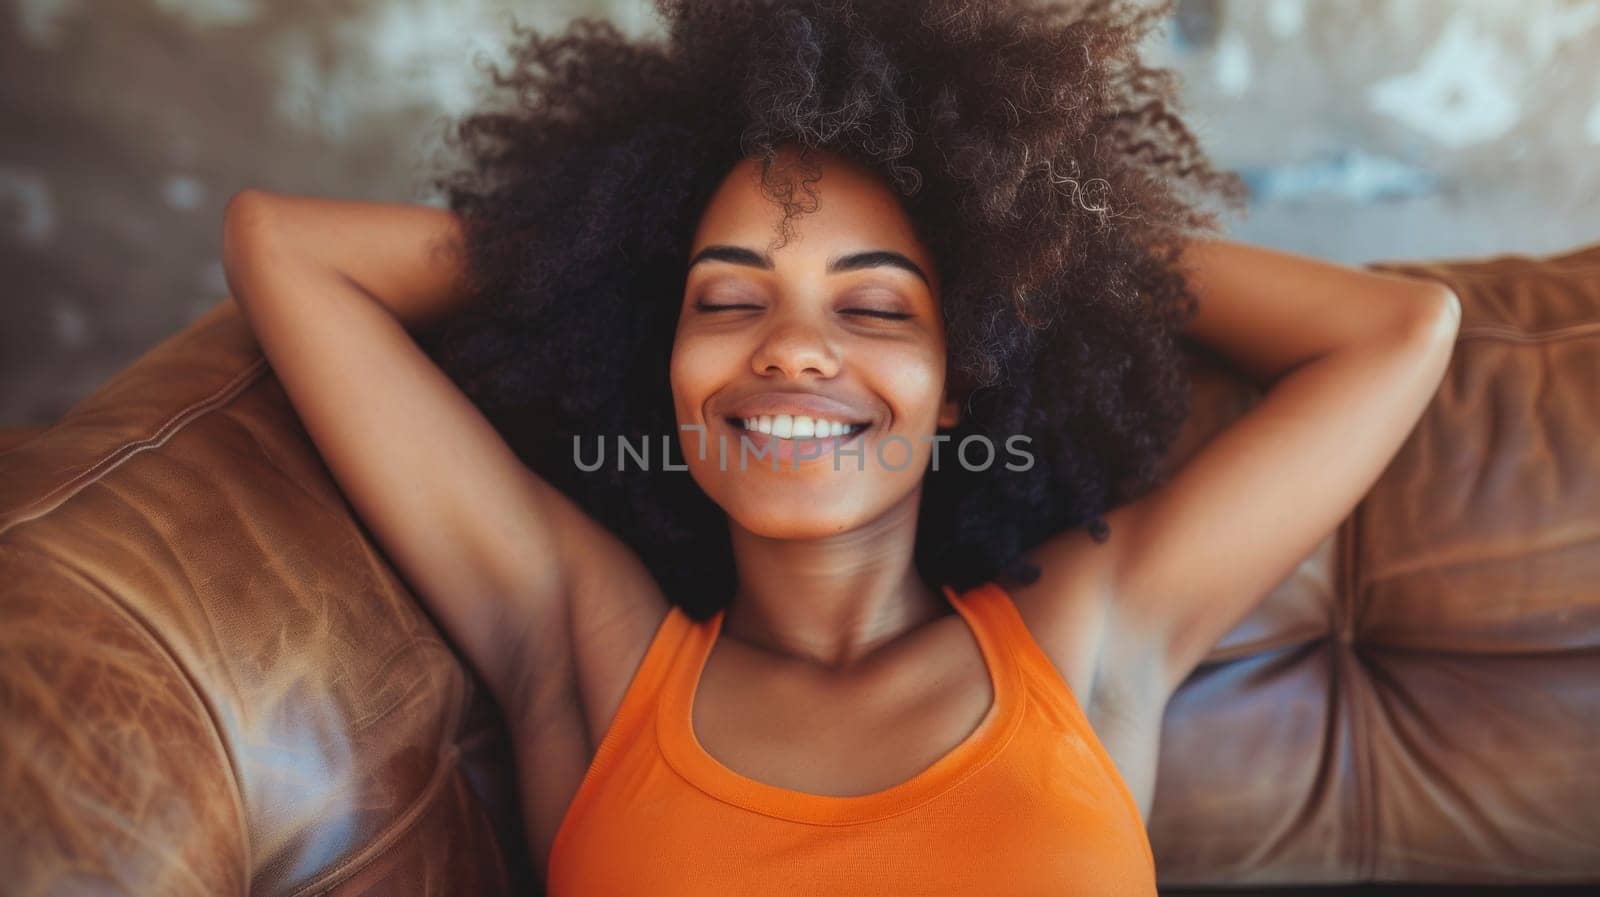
x,y
213,683
1420,700
211,680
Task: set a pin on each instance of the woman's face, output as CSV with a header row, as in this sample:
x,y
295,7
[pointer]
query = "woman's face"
x,y
841,326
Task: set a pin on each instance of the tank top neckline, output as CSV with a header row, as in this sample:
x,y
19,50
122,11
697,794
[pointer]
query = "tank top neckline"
x,y
688,757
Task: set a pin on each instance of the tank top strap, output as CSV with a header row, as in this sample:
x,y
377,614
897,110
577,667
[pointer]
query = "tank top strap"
x,y
640,699
991,604
989,607
997,627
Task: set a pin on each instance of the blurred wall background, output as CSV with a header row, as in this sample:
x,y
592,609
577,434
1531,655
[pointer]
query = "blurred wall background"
x,y
1367,129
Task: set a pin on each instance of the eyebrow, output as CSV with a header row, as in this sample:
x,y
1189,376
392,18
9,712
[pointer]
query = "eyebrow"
x,y
855,261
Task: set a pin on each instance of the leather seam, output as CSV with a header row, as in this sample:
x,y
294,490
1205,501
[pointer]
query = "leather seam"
x,y
1491,268
1361,748
1305,634
339,873
1506,333
128,449
449,761
1479,553
339,510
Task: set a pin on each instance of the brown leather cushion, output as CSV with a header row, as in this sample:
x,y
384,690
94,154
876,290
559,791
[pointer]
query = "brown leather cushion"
x,y
213,682
18,435
1420,699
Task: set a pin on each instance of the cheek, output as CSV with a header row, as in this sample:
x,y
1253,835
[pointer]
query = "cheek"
x,y
912,380
698,366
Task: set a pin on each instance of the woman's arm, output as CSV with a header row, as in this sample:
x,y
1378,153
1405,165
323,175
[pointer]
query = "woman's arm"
x,y
407,257
1270,311
490,547
1351,360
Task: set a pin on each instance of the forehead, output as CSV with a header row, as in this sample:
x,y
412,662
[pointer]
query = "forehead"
x,y
847,208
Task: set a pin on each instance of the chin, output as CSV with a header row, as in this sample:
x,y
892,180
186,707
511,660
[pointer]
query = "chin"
x,y
802,514
795,526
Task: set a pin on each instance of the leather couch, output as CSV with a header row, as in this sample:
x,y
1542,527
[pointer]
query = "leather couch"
x,y
213,683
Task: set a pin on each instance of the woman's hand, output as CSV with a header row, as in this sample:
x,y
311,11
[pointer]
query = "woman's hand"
x,y
407,257
1269,312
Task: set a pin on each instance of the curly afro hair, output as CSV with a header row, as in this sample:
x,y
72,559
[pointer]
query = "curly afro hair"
x,y
1041,161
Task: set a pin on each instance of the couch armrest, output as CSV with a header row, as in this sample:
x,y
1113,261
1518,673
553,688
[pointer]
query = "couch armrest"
x,y
212,680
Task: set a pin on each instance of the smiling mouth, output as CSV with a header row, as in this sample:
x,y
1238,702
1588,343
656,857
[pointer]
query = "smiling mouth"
x,y
784,426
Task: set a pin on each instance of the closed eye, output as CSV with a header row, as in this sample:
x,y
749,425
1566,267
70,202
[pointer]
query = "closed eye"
x,y
865,312
874,313
701,306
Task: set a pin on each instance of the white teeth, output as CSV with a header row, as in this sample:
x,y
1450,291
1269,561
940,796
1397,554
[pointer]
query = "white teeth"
x,y
796,426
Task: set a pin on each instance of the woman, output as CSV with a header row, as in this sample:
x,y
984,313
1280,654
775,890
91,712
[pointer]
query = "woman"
x,y
849,237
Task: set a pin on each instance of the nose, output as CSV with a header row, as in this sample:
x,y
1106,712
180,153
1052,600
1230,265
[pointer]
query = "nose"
x,y
791,347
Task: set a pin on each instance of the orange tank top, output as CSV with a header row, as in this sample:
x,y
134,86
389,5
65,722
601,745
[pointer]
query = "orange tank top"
x,y
1029,803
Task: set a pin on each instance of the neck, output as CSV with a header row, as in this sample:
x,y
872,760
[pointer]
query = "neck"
x,y
834,600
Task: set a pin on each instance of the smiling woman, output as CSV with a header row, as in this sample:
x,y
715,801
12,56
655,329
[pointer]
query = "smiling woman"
x,y
999,231
820,233
840,323
791,218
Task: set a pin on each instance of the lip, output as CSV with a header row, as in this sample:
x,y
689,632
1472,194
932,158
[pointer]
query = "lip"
x,y
792,403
